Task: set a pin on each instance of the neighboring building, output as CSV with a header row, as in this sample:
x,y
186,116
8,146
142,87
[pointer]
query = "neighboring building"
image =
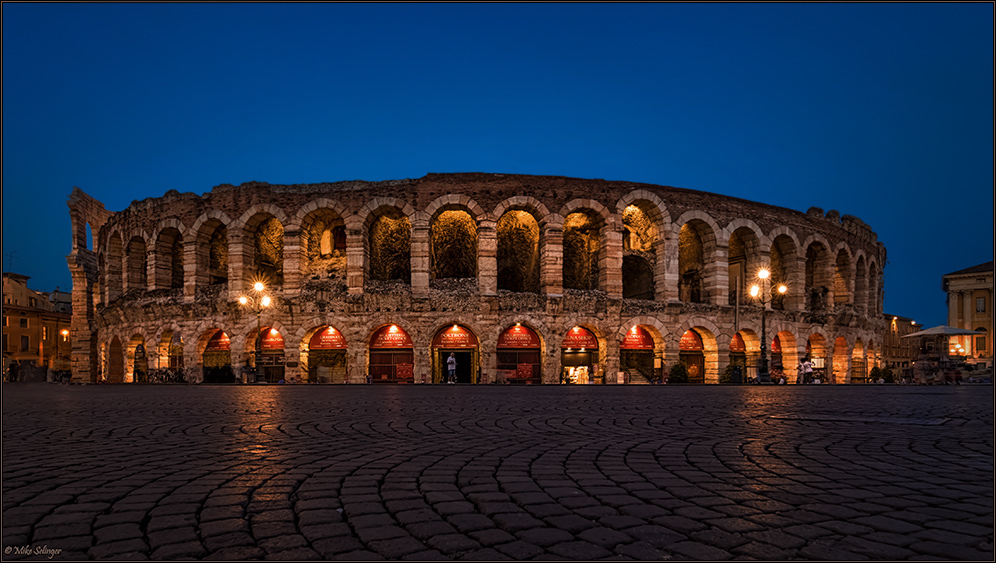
x,y
32,326
970,306
898,353
526,279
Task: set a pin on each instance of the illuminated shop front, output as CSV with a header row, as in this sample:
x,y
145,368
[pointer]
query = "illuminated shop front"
x,y
463,345
579,357
327,358
637,356
271,360
392,356
519,356
217,359
691,352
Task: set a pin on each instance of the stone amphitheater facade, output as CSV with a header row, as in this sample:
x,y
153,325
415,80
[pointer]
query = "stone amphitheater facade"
x,y
158,283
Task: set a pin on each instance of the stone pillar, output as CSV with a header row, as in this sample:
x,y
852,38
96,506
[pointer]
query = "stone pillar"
x,y
796,282
716,276
610,261
152,261
356,256
612,356
487,257
292,263
238,262
193,367
722,358
551,360
552,261
968,309
420,255
668,291
194,277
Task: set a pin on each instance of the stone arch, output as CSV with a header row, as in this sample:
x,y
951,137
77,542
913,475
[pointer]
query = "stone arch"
x,y
137,359
210,238
655,207
819,273
168,254
586,224
744,251
709,332
455,201
861,285
387,226
260,233
645,226
519,246
114,261
787,267
524,203
698,278
453,243
843,276
322,239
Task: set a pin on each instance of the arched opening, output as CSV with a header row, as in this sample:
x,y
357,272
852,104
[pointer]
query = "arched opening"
x,y
455,357
169,259
270,361
323,246
858,372
519,356
518,252
741,263
784,357
453,248
839,374
691,352
390,247
114,261
217,357
817,277
581,247
115,362
89,237
861,286
392,356
640,236
691,263
816,352
579,357
137,264
638,277
636,356
212,253
267,260
841,276
137,367
327,357
738,360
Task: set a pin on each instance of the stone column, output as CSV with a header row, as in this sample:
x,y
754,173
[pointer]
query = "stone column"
x,y
194,277
668,291
292,263
152,260
238,262
796,282
356,255
716,276
552,260
610,261
487,257
420,255
612,353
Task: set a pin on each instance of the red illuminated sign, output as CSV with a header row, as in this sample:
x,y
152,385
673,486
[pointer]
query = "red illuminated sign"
x,y
691,341
637,338
455,336
737,344
327,339
579,337
272,340
518,337
219,342
776,346
391,336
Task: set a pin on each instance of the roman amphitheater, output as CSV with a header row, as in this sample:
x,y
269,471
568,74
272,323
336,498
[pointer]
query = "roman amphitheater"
x,y
522,279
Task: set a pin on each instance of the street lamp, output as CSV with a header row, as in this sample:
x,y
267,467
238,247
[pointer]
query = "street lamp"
x,y
256,304
65,335
762,293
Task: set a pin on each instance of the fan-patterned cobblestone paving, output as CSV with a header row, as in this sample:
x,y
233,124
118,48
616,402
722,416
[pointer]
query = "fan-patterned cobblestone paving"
x,y
460,472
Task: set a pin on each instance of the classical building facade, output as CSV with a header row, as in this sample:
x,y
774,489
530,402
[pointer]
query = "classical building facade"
x,y
970,306
522,279
33,322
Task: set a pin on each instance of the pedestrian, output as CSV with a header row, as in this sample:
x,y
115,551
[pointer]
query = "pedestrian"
x,y
805,371
451,365
12,372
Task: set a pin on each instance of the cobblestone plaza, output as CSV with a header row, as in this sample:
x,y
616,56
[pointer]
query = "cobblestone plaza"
x,y
486,472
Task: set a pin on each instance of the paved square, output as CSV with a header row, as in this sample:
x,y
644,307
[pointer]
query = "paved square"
x,y
454,472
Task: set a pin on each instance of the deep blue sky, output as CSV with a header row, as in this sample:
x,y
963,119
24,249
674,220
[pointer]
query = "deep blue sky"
x,y
880,111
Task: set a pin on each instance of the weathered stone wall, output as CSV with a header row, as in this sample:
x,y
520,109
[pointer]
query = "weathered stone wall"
x,y
357,303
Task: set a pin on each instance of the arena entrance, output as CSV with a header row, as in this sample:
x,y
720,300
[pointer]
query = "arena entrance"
x,y
327,357
777,369
392,356
691,352
518,354
636,356
579,358
463,345
217,359
270,365
738,359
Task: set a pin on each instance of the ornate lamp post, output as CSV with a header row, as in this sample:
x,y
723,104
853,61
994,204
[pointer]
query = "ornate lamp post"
x,y
256,304
762,293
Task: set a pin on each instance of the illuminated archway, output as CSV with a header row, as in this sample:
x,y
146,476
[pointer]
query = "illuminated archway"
x,y
579,356
392,355
519,357
326,357
455,346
